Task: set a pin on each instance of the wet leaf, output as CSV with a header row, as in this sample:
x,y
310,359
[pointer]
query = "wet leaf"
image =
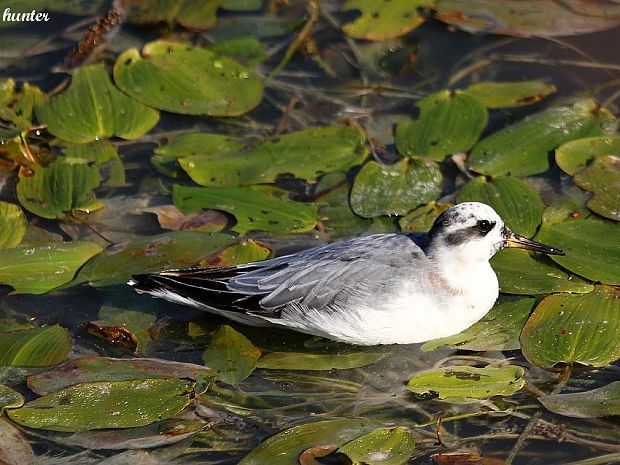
x,y
192,14
498,330
232,354
254,208
169,217
513,199
574,156
396,189
522,148
574,329
422,218
519,272
179,78
101,153
12,225
590,250
14,448
95,369
9,399
602,178
309,456
384,446
464,382
107,404
243,5
510,94
92,108
305,154
9,324
128,328
450,121
37,270
600,402
384,19
246,251
285,447
40,347
304,361
16,105
248,51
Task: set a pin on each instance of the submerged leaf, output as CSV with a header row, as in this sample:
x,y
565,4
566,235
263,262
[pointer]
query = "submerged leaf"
x,y
102,154
192,14
303,361
509,94
38,347
384,19
9,398
232,354
595,403
12,225
384,446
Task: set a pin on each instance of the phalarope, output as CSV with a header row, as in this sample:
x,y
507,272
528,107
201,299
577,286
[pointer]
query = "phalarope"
x,y
394,288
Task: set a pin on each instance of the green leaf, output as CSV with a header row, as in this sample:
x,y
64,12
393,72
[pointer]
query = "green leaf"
x,y
59,189
92,108
243,5
192,14
574,328
232,354
510,94
422,218
37,270
254,208
9,398
513,199
519,272
136,323
449,122
396,189
602,178
38,347
284,448
107,404
304,361
457,383
384,446
102,154
384,19
179,78
16,105
248,51
573,156
600,402
96,369
246,251
590,249
522,148
305,154
12,225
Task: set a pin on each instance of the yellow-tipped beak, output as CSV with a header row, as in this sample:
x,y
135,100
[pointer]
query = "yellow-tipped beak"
x,y
514,240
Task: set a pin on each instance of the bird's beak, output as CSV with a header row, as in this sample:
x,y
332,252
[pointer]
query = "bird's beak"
x,y
514,240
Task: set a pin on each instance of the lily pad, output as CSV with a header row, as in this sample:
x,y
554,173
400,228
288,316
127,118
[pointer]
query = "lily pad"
x,y
254,208
37,270
510,94
96,369
101,153
179,78
574,329
305,154
602,178
384,19
450,121
12,225
519,272
232,354
574,156
107,404
304,361
522,148
38,347
384,446
192,14
396,189
456,383
513,199
422,218
246,251
595,403
92,108
10,398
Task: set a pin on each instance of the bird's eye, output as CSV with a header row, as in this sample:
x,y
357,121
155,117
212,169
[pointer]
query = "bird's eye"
x,y
485,226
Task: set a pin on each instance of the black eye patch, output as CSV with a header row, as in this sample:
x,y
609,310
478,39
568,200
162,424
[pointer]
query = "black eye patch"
x,y
485,226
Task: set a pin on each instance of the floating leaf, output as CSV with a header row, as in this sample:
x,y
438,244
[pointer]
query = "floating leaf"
x,y
12,225
192,14
95,369
101,153
574,328
232,354
573,156
595,403
128,328
107,404
450,121
92,108
254,208
513,199
38,347
14,447
602,178
9,398
179,78
169,217
384,446
590,250
395,189
248,51
422,218
510,94
519,272
37,270
285,447
522,148
464,382
246,251
16,105
305,154
384,19
303,361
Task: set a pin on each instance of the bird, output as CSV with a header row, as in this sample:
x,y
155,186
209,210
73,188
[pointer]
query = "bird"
x,y
391,288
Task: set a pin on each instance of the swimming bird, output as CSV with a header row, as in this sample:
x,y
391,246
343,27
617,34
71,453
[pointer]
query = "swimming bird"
x,y
396,288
